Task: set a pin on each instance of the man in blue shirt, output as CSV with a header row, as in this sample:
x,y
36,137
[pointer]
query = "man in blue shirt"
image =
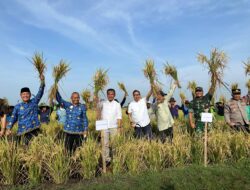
x,y
26,114
76,124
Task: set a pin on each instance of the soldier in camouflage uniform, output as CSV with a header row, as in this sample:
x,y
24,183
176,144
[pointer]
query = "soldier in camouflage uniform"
x,y
235,112
198,105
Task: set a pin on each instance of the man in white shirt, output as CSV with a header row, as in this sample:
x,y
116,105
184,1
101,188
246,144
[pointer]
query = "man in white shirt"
x,y
110,111
138,115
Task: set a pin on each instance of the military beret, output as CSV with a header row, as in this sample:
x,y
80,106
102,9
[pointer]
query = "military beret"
x,y
25,89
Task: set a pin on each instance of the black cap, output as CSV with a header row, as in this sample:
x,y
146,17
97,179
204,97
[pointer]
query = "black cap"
x,y
172,100
236,91
162,93
25,89
198,89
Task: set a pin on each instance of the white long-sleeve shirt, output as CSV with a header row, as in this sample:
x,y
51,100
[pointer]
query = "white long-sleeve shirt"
x,y
111,111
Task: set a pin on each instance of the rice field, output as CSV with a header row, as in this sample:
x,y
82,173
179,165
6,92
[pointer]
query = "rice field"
x,y
46,161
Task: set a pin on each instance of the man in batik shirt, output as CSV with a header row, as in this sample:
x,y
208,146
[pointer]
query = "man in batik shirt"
x,y
76,125
26,114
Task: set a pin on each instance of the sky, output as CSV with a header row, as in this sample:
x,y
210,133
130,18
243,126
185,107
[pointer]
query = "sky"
x,y
120,36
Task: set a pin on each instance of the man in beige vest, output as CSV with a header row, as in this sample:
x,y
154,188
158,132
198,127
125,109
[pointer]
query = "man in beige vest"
x,y
235,112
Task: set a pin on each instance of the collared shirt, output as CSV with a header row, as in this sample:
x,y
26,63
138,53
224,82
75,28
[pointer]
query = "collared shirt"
x,y
26,113
76,117
174,111
139,112
235,112
111,111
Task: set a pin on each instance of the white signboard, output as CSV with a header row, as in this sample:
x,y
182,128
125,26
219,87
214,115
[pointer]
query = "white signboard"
x,y
206,117
101,125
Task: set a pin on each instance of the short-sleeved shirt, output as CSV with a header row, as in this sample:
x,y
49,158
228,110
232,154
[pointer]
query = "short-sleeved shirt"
x,y
198,105
139,112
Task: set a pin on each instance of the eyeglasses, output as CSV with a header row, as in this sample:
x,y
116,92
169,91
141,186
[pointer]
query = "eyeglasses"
x,y
136,94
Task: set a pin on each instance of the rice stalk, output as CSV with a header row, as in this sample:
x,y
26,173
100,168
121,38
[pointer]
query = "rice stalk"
x,y
39,63
247,66
182,96
192,86
216,64
248,85
100,81
59,72
171,71
223,99
150,73
123,88
86,95
234,86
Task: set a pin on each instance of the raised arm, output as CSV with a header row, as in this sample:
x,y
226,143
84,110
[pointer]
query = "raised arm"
x,y
39,95
61,101
212,88
149,94
119,115
123,100
171,91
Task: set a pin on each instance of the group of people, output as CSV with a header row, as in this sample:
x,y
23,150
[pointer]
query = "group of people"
x,y
74,118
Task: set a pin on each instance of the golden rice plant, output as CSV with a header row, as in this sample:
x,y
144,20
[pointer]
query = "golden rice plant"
x,y
238,146
216,64
33,159
247,66
150,73
223,99
234,86
219,150
182,96
57,163
88,157
86,95
59,72
38,62
10,165
123,88
171,71
100,81
192,86
248,85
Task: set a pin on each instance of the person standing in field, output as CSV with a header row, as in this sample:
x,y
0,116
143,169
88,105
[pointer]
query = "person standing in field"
x,y
198,105
138,115
235,112
76,125
164,117
3,107
174,108
110,111
45,113
26,114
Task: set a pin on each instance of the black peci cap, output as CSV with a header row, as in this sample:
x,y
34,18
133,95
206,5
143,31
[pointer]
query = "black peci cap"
x,y
25,89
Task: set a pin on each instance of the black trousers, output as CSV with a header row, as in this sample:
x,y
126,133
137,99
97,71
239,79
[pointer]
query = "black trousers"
x,y
72,142
167,134
27,137
141,132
